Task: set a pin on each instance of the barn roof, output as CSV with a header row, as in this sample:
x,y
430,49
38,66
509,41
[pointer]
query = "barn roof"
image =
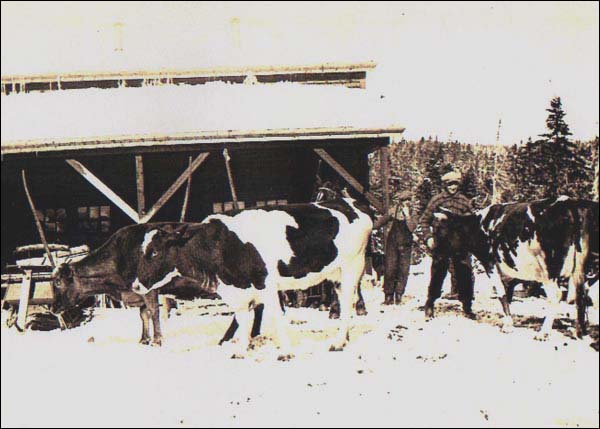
x,y
349,74
183,114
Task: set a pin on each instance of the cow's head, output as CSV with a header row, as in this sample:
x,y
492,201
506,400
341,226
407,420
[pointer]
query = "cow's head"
x,y
463,233
67,293
165,259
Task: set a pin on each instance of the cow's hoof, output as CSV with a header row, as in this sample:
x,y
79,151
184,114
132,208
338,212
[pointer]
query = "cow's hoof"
x,y
157,343
145,341
361,311
322,307
285,357
238,356
334,316
541,336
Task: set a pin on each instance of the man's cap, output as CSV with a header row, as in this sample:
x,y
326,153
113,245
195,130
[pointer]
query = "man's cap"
x,y
453,176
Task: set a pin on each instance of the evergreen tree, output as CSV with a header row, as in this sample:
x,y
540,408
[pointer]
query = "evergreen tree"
x,y
563,164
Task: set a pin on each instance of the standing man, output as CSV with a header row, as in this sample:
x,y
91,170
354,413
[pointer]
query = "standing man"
x,y
442,252
398,248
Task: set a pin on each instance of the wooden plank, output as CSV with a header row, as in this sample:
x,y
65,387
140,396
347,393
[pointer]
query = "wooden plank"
x,y
174,187
106,191
43,292
348,178
139,180
24,300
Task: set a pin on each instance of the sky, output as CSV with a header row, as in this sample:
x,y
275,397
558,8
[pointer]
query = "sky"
x,y
453,69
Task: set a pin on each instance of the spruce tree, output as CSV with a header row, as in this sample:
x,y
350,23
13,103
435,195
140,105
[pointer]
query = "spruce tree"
x,y
563,164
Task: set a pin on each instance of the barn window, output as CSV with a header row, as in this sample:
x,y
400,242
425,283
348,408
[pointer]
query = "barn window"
x,y
93,218
53,219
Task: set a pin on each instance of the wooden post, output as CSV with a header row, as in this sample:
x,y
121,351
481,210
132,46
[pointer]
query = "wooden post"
x,y
139,179
24,300
186,197
37,221
348,177
230,178
174,187
106,191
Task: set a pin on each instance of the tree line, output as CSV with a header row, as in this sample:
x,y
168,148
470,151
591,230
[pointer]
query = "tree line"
x,y
551,165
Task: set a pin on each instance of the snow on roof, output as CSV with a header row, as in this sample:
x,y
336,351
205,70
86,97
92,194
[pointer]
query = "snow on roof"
x,y
47,121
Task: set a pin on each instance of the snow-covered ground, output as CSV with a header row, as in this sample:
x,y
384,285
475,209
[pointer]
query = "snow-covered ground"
x,y
397,371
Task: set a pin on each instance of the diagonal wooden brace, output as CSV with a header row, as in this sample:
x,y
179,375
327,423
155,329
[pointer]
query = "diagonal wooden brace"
x,y
105,190
348,177
174,187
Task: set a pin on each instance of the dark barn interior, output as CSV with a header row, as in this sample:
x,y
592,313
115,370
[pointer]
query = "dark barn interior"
x,y
73,212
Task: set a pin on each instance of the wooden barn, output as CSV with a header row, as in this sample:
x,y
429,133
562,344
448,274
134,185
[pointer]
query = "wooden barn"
x,y
104,151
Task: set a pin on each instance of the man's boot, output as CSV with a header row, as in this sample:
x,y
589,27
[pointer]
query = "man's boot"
x,y
453,296
468,310
429,310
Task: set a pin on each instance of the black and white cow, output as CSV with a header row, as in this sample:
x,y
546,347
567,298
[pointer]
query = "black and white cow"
x,y
544,241
112,268
254,253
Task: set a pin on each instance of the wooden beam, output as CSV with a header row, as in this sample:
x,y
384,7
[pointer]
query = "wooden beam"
x,y
106,191
174,187
24,300
139,180
230,179
348,177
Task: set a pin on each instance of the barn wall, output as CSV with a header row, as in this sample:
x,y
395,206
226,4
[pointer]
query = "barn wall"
x,y
260,175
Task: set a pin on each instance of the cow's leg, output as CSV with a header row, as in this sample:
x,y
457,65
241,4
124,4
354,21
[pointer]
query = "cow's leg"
x,y
145,325
504,297
229,334
439,269
244,319
361,309
577,284
554,295
151,301
233,327
274,315
346,293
